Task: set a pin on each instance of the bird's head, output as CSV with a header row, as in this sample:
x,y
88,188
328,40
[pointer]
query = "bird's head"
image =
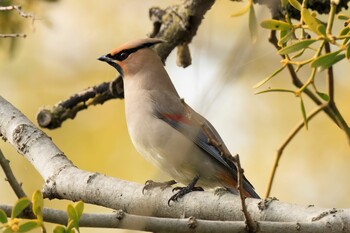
x,y
132,56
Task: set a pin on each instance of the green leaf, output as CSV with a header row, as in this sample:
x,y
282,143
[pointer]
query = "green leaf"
x,y
344,31
253,24
8,230
259,84
70,225
311,22
273,24
79,208
241,11
298,54
322,30
327,60
72,214
59,229
274,90
20,205
343,17
303,111
285,36
28,226
295,4
3,216
324,96
347,52
296,46
38,204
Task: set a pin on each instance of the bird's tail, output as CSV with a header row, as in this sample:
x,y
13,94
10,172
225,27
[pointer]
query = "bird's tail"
x,y
231,185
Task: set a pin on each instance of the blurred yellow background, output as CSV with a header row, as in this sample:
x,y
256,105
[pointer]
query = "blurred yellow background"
x,y
59,58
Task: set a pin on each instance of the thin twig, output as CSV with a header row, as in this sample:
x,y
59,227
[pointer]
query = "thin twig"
x,y
13,35
18,9
16,187
298,83
331,103
251,224
286,142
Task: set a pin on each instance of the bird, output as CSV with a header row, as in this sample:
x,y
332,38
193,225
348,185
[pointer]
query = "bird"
x,y
165,130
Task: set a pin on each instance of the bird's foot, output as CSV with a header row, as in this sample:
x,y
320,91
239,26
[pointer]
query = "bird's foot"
x,y
182,191
220,191
150,184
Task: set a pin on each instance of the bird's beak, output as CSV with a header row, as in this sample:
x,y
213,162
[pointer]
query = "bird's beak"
x,y
111,62
105,59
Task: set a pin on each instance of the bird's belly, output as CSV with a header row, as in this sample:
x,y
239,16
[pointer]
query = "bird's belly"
x,y
176,155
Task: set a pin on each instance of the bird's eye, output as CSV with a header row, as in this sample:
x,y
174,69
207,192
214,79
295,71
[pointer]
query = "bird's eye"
x,y
122,56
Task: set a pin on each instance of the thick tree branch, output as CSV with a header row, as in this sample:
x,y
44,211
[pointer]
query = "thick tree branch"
x,y
65,181
120,219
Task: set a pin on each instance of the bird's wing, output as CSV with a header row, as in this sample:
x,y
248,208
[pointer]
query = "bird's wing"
x,y
203,134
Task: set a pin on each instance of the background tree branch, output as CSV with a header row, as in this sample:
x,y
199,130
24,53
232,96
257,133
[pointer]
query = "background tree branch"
x,y
176,24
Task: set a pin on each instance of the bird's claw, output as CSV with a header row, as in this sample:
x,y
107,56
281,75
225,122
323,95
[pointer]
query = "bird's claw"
x,y
150,184
182,191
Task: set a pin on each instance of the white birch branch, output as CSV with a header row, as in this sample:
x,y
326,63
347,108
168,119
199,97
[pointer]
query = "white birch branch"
x,y
63,180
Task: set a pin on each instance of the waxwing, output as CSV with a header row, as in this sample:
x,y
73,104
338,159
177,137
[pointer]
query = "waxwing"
x,y
164,129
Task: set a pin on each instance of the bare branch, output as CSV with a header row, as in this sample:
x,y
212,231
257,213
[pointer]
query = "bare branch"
x,y
10,177
289,138
18,9
13,35
251,224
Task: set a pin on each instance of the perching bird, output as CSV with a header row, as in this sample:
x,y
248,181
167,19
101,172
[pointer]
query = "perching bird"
x,y
165,130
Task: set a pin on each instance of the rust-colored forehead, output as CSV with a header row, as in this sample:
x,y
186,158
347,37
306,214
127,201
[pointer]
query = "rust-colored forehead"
x,y
137,44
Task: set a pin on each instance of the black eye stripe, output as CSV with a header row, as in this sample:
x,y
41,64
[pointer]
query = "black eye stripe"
x,y
124,54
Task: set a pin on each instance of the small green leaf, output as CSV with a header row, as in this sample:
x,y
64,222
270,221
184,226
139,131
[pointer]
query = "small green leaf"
x,y
259,84
285,36
322,30
273,24
296,46
59,229
72,214
324,96
38,204
295,4
28,226
242,11
274,90
20,205
298,54
344,31
327,60
79,208
253,24
311,21
70,225
343,17
8,230
3,216
303,111
347,52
